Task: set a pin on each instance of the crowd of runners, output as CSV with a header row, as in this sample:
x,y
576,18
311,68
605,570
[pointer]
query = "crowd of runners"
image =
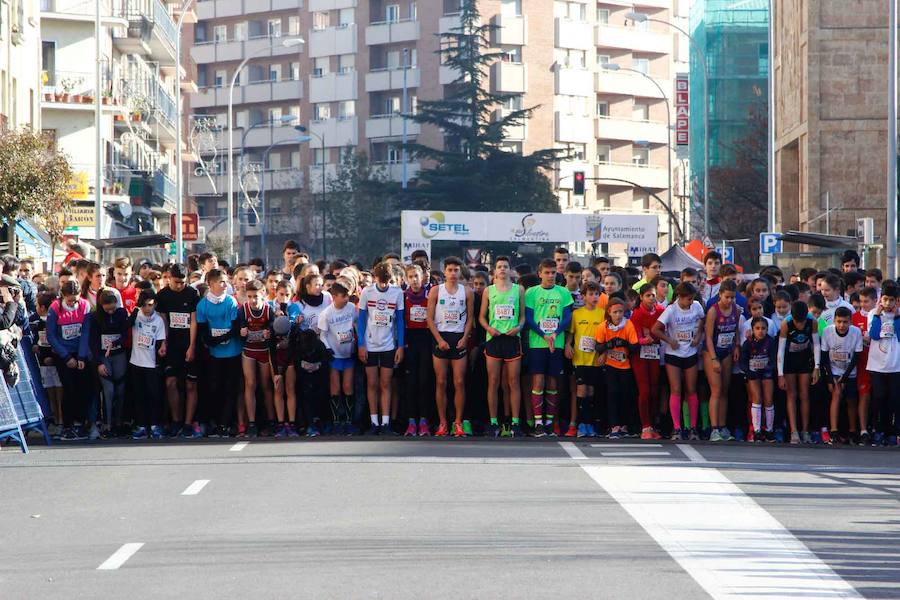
x,y
559,348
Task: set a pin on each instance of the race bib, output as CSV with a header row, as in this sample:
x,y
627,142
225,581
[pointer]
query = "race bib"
x,y
650,352
451,317
256,336
549,325
684,336
725,340
71,331
42,338
586,343
344,337
504,312
109,341
180,320
381,319
759,364
840,356
418,314
218,332
144,341
798,347
309,367
616,355
887,329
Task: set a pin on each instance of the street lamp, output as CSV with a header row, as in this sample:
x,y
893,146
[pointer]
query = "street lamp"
x,y
321,139
615,67
288,43
639,17
179,183
262,189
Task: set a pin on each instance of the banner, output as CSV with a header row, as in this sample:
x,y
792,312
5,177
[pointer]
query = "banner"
x,y
682,112
638,232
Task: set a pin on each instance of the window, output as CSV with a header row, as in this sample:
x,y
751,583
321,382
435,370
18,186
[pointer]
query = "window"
x,y
320,20
274,72
295,159
320,66
293,25
346,63
412,57
511,147
641,111
603,153
221,208
346,17
511,8
392,13
413,11
322,111
220,33
640,156
393,154
603,16
602,108
392,105
640,201
512,54
578,151
393,59
603,59
603,199
200,35
642,25
240,31
274,27
346,109
295,112
295,71
274,116
48,60
220,78
511,103
274,161
641,64
202,79
318,156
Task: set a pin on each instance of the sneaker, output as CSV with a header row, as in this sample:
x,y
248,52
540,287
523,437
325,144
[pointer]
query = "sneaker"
x,y
676,435
506,430
574,430
864,439
387,431
312,431
779,436
424,431
815,436
411,430
241,431
458,430
878,439
725,434
539,431
69,435
738,434
493,430
647,433
280,432
581,431
751,436
292,431
156,432
95,432
623,431
759,436
715,436
805,437
223,431
705,433
555,430
467,428
795,437
516,431
770,437
693,435
442,431
891,440
140,433
252,430
591,432
373,430
826,436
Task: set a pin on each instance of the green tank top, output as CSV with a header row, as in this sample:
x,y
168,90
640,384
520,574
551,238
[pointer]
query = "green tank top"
x,y
503,308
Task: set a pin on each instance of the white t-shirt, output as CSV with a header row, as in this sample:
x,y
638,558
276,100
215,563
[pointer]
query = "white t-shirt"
x,y
841,349
310,313
831,306
683,326
382,308
336,329
884,354
144,335
746,329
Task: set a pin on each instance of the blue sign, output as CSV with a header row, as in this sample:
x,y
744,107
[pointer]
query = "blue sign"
x,y
769,243
728,255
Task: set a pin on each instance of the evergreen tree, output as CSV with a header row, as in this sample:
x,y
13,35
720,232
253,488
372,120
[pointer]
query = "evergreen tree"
x,y
472,171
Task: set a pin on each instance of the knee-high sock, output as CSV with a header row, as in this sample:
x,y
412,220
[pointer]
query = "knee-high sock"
x,y
756,416
694,406
770,418
552,405
704,415
675,410
537,404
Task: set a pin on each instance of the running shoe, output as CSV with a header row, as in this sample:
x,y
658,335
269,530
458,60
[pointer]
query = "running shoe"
x,y
139,433
280,432
555,430
676,435
505,430
614,433
387,431
252,430
516,431
592,432
581,431
815,436
623,431
95,432
795,437
312,431
442,431
69,434
458,430
805,437
157,432
424,431
411,430
705,433
878,439
467,428
725,434
693,435
751,436
738,434
647,434
715,436
825,436
864,439
292,431
655,434
539,430
493,430
759,436
770,437
779,435
373,430
891,440
242,431
574,430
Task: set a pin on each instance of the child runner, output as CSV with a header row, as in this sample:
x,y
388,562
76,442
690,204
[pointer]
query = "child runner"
x,y
65,320
884,367
148,339
418,369
831,289
709,285
108,330
646,360
616,339
44,352
868,299
581,349
758,357
284,377
798,365
679,326
722,346
503,318
337,324
255,318
842,347
548,311
450,319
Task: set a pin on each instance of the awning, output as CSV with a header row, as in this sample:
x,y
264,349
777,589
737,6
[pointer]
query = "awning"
x,y
822,240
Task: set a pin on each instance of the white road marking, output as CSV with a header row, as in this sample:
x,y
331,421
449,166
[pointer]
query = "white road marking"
x,y
635,454
573,451
692,453
194,488
633,446
119,557
238,447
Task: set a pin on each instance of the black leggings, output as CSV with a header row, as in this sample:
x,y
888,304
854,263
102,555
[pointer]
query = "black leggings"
x,y
225,375
146,392
619,395
417,400
886,401
77,391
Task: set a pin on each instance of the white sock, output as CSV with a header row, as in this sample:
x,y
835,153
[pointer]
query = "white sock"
x,y
374,419
538,421
770,418
385,420
756,415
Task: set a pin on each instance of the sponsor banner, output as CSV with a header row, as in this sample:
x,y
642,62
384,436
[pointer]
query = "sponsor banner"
x,y
492,227
410,246
638,232
682,110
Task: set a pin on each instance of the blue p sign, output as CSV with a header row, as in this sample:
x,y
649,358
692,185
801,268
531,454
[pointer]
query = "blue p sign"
x,y
728,255
769,243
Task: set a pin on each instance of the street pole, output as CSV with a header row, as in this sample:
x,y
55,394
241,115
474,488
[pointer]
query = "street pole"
x,y
403,176
771,158
324,248
891,237
98,173
179,167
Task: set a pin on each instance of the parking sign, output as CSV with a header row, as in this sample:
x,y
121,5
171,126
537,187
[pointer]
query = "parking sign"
x,y
769,243
728,255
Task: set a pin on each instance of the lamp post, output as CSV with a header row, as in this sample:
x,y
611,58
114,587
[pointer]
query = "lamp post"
x,y
891,233
615,67
403,178
321,139
288,43
179,179
262,190
639,17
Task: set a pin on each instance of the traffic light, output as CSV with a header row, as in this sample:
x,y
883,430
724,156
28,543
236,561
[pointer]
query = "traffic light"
x,y
579,183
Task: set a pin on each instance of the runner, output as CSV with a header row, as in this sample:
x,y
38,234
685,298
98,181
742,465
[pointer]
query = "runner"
x,y
284,377
64,332
868,298
337,327
581,350
255,319
148,335
884,367
646,361
758,358
842,346
798,366
107,329
616,339
722,348
418,404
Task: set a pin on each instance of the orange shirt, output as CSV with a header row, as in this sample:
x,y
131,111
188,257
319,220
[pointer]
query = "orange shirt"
x,y
617,357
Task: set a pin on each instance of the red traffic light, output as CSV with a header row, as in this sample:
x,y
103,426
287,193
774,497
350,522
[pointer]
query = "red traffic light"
x,y
578,188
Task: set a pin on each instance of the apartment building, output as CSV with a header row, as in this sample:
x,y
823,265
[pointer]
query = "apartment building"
x,y
346,85
136,91
19,53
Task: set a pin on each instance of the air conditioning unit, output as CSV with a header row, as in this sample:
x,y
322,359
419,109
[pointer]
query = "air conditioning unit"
x,y
865,230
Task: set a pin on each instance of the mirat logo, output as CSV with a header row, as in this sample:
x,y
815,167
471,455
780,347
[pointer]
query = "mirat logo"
x,y
435,223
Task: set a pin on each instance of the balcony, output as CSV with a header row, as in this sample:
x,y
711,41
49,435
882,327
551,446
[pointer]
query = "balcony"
x,y
508,77
315,176
608,128
574,34
235,50
162,201
164,112
333,87
574,82
514,133
288,178
631,38
651,3
267,91
111,12
573,128
218,9
332,40
74,90
320,5
448,75
379,80
393,171
511,31
389,32
449,23
151,31
390,126
337,133
263,137
646,176
624,83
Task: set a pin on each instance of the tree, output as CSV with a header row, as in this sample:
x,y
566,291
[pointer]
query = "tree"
x,y
739,191
472,171
34,181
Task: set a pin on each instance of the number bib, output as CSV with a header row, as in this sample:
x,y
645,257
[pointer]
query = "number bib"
x,y
586,343
549,326
143,340
759,364
840,356
616,355
71,331
798,347
180,320
255,336
451,317
725,340
505,312
418,314
684,336
344,337
218,332
109,341
381,319
887,329
650,352
42,338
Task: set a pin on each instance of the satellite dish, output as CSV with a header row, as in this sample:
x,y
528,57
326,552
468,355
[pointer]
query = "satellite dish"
x,y
125,209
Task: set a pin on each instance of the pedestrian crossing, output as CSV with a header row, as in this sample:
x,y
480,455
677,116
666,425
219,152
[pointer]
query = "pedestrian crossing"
x,y
625,451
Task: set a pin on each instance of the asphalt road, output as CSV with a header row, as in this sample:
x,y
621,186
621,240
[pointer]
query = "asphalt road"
x,y
396,519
